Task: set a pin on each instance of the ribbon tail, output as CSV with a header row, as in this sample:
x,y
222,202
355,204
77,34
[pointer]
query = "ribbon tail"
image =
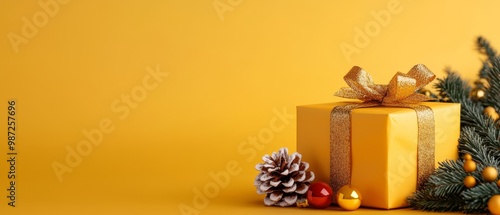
x,y
426,143
340,144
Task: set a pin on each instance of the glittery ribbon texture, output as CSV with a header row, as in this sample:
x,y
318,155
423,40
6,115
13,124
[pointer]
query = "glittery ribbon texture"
x,y
400,92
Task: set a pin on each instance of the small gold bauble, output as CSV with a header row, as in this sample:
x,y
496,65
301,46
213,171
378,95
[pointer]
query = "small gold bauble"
x,y
349,198
494,205
490,111
498,183
469,166
469,181
490,174
467,157
477,94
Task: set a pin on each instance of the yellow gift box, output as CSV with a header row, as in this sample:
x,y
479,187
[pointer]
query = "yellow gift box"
x,y
383,147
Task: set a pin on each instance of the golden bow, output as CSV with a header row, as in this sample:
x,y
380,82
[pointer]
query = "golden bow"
x,y
401,89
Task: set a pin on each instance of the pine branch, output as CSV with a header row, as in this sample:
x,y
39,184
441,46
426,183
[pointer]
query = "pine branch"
x,y
425,200
485,69
472,114
448,178
480,137
476,198
472,143
442,192
492,97
453,88
456,90
484,47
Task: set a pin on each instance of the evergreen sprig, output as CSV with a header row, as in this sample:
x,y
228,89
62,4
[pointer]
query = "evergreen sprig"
x,y
479,137
426,201
492,98
442,190
452,88
476,198
472,143
484,47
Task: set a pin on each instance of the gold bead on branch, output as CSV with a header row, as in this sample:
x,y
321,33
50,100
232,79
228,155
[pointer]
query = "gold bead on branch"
x,y
469,181
490,174
469,166
477,94
491,112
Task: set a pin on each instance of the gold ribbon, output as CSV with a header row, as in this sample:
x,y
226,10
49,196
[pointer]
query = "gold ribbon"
x,y
402,91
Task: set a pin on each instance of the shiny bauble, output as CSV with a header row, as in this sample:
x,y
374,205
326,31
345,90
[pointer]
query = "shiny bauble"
x,y
469,181
470,166
489,174
494,205
319,195
349,198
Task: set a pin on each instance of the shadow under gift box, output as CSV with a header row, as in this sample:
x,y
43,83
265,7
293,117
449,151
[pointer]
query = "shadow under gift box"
x,y
383,144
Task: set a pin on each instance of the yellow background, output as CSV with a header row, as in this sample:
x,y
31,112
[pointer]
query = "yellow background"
x,y
228,76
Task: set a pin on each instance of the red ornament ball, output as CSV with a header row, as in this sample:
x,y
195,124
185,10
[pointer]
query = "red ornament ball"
x,y
319,195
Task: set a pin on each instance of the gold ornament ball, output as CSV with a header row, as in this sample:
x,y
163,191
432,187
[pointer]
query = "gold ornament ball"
x,y
467,157
469,181
498,183
349,198
490,111
469,166
494,205
490,174
477,94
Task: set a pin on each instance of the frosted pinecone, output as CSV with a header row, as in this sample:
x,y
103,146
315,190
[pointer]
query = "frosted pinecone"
x,y
283,178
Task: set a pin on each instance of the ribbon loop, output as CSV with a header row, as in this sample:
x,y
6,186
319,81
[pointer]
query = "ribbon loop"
x,y
362,84
422,75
